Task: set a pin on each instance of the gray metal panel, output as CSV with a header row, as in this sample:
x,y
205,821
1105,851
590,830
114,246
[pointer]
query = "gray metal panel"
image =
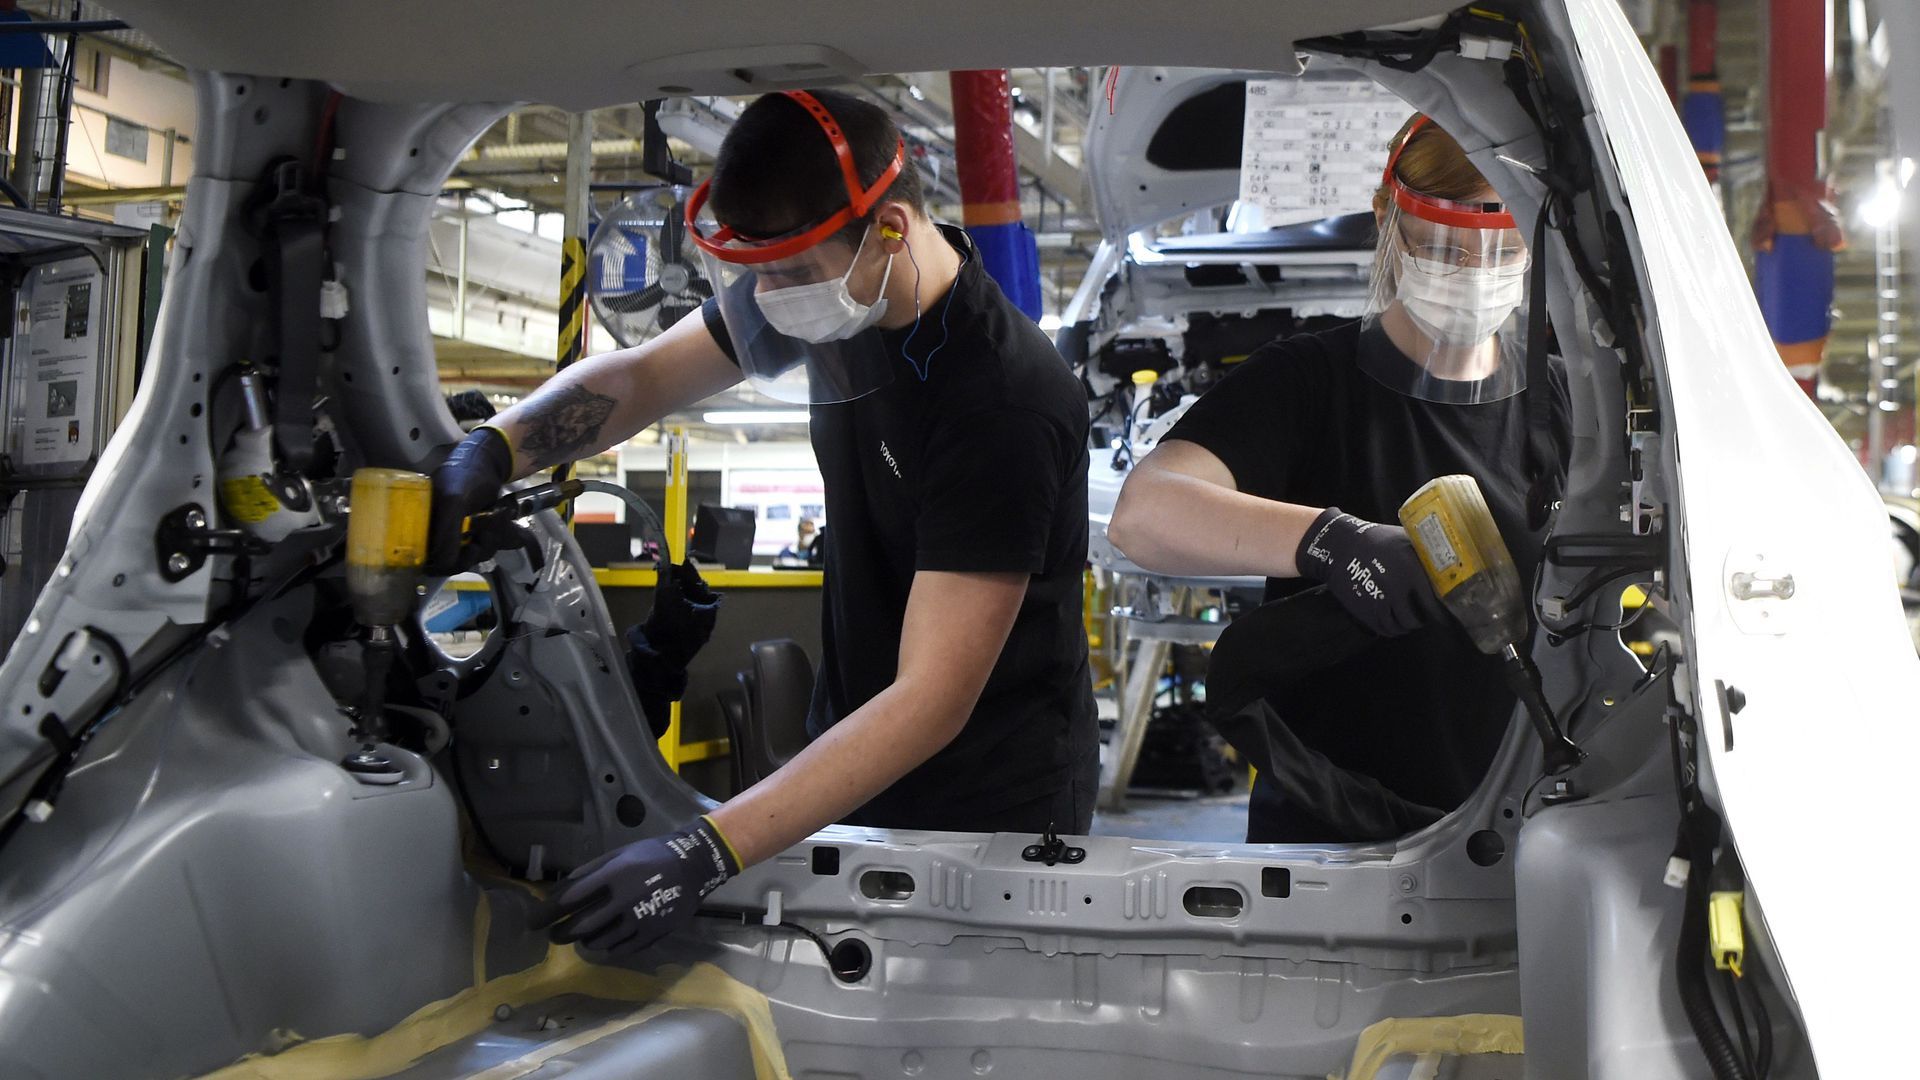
x,y
213,878
603,1042
614,51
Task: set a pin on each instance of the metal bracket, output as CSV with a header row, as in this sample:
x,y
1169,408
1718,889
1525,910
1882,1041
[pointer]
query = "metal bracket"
x,y
185,538
1051,849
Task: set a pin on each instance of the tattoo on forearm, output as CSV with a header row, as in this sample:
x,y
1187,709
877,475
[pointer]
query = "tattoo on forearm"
x,y
559,425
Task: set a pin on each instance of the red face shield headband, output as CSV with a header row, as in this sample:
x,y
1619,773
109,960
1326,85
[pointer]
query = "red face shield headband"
x,y
1440,211
728,245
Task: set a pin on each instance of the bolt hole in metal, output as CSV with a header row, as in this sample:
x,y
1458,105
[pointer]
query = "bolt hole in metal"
x,y
886,885
1486,847
630,810
1406,919
850,960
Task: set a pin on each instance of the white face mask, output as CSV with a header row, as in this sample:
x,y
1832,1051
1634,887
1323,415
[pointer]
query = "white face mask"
x,y
1463,307
824,310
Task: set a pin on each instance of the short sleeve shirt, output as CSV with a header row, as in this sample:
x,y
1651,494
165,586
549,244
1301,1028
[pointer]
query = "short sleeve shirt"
x,y
972,458
1311,420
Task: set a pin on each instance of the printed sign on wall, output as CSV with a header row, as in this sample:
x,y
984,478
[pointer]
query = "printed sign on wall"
x,y
57,353
1314,149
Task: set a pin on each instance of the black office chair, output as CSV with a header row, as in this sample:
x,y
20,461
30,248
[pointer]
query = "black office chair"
x,y
767,716
733,709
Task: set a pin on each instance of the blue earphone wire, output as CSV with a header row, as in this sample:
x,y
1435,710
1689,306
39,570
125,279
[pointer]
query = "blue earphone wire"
x,y
924,367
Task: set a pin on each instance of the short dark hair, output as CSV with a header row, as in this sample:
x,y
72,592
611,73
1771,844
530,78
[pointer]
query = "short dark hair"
x,y
777,172
470,405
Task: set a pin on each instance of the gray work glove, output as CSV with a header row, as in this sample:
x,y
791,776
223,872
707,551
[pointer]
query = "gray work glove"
x,y
1371,569
633,896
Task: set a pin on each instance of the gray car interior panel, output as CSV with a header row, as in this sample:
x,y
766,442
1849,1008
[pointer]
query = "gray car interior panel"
x,y
581,1038
212,885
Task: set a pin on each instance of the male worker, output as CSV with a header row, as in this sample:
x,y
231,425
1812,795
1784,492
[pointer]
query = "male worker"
x,y
953,692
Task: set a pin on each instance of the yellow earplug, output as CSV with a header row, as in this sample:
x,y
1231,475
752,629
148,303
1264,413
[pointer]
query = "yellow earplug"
x,y
888,232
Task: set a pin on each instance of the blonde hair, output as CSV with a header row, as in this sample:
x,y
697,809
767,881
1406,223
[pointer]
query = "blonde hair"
x,y
1431,163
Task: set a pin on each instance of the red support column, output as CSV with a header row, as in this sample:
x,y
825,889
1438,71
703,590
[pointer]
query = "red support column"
x,y
1798,229
990,184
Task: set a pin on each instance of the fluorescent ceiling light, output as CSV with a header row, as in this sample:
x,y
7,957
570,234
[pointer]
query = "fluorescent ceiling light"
x,y
756,416
1049,322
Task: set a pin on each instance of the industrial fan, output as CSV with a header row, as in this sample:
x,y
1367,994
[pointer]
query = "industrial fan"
x,y
642,273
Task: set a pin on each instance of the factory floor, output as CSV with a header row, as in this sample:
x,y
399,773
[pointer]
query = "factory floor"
x,y
1220,817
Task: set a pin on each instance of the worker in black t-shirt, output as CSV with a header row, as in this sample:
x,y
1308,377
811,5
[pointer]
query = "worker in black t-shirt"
x,y
1295,466
953,692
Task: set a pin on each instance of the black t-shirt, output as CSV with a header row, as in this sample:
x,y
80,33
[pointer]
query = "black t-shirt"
x,y
1303,421
980,466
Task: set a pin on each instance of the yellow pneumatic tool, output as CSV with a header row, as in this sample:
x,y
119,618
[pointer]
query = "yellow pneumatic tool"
x,y
386,548
1474,575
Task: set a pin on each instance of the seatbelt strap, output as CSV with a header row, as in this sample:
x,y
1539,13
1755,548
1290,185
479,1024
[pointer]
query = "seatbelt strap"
x,y
1544,482
296,265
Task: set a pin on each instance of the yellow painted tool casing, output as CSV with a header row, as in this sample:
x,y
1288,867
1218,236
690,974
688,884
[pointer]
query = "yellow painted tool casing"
x,y
386,543
1467,561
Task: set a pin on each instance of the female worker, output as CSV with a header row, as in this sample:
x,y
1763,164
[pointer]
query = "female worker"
x,y
1296,459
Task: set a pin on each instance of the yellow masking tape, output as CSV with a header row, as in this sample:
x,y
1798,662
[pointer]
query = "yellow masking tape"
x,y
1473,1033
564,971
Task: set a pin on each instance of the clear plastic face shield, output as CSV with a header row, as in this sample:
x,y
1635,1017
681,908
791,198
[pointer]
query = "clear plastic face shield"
x,y
801,308
1449,291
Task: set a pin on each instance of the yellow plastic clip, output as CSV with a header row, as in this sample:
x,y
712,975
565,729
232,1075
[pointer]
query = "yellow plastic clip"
x,y
1725,935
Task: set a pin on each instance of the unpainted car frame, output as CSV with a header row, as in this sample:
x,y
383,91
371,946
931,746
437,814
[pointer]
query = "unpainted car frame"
x,y
211,883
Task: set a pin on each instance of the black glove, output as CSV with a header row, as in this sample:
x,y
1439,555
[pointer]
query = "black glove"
x,y
659,650
684,610
1372,569
468,482
633,896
